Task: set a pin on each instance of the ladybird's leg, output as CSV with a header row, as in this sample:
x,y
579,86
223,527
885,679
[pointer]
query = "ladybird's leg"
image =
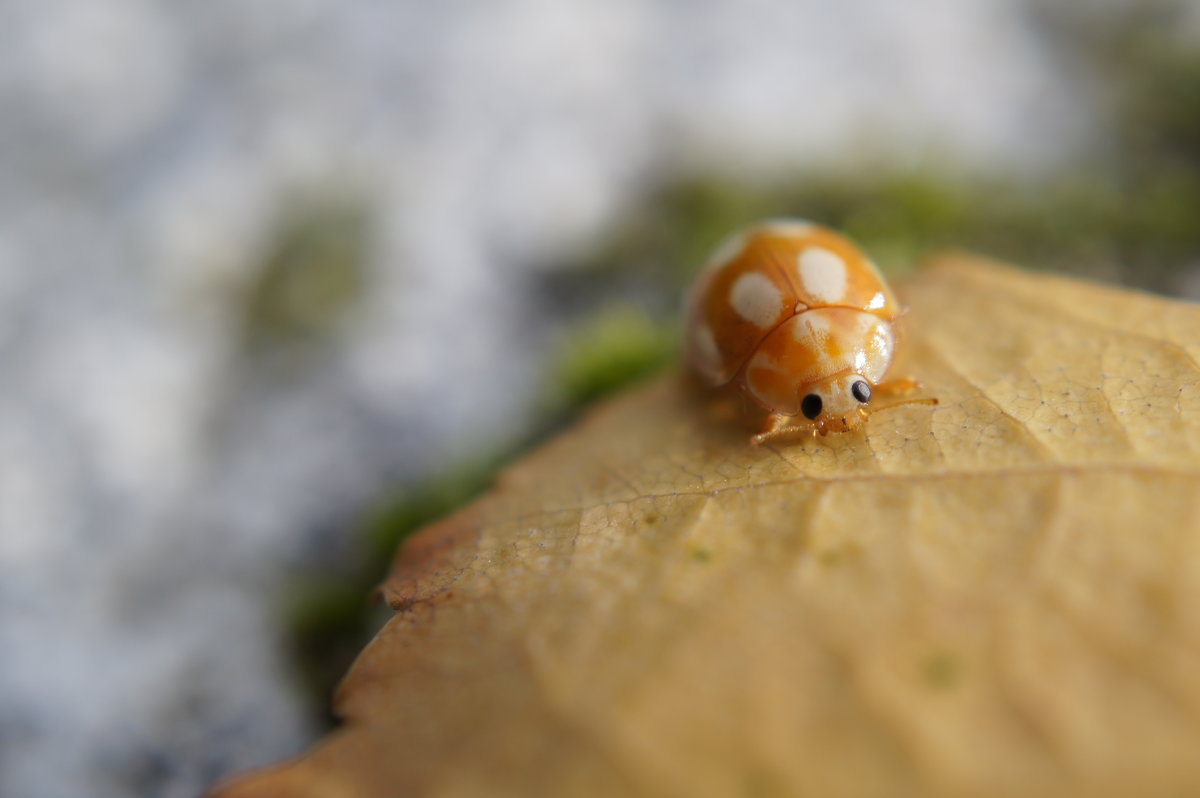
x,y
778,426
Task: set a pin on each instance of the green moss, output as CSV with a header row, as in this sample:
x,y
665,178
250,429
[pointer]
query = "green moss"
x,y
311,275
1137,224
328,621
391,522
615,347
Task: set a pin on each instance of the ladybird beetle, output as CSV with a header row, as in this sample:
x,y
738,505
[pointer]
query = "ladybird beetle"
x,y
798,318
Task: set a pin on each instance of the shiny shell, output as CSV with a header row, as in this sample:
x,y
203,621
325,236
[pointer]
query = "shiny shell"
x,y
787,308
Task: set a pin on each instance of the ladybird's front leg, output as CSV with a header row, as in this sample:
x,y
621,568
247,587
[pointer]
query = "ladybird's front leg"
x,y
777,426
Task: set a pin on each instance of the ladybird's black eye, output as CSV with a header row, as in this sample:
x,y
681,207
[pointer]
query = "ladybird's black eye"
x,y
861,391
811,406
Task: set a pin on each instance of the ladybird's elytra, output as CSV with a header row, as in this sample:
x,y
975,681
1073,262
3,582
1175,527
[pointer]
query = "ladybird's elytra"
x,y
800,319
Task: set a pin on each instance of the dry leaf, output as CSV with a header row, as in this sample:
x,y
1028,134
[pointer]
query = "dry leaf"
x,y
999,596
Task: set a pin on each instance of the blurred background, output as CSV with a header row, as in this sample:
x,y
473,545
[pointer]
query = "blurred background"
x,y
280,281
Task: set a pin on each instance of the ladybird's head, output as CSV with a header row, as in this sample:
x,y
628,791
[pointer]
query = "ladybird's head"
x,y
837,403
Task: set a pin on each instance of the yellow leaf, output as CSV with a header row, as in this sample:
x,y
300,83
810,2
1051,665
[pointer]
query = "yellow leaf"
x,y
999,596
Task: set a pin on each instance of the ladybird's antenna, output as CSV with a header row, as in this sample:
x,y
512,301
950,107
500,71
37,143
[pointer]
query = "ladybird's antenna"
x,y
928,400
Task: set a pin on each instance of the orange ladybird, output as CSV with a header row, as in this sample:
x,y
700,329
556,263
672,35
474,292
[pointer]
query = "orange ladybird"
x,y
798,318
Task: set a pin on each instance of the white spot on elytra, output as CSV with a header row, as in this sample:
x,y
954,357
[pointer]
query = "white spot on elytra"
x,y
756,299
877,301
823,274
811,329
762,360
